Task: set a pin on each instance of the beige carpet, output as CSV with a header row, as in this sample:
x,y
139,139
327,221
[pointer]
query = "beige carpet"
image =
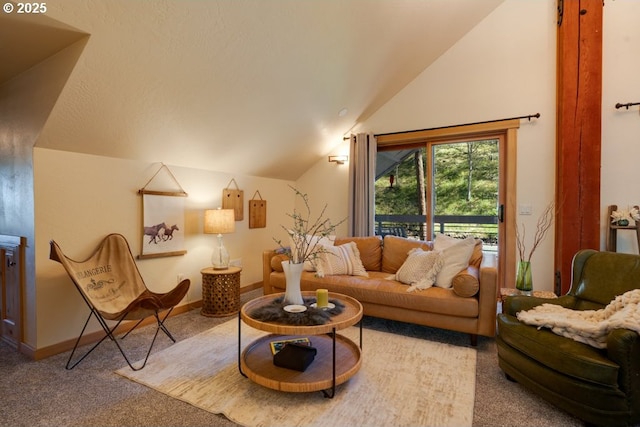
x,y
403,381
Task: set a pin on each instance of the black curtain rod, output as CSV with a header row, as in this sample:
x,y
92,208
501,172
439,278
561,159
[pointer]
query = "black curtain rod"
x,y
630,104
528,117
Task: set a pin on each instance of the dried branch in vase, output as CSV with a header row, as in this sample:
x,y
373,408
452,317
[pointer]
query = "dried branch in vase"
x,y
542,227
303,245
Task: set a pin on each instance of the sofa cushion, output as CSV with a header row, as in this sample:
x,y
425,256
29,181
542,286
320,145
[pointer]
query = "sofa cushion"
x,y
476,255
380,289
342,259
466,283
456,253
420,269
370,249
276,261
396,250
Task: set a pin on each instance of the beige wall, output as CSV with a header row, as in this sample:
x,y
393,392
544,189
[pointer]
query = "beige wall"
x,y
81,198
327,184
620,127
505,67
25,104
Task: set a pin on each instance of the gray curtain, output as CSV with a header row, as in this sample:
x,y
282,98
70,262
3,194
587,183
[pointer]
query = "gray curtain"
x,y
362,171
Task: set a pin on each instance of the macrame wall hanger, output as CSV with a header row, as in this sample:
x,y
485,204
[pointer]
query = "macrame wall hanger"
x,y
233,199
257,211
144,190
233,181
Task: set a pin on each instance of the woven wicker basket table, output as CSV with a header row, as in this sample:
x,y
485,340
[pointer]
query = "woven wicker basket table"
x,y
338,357
220,291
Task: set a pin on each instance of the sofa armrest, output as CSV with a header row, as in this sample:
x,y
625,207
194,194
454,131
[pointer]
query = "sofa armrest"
x,y
487,300
266,271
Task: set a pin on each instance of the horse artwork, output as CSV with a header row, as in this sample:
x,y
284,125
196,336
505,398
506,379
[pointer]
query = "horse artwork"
x,y
168,232
162,222
156,232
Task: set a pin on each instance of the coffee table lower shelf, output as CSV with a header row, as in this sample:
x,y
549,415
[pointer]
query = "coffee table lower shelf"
x,y
257,364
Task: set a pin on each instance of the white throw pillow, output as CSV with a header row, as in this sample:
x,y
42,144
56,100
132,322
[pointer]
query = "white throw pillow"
x,y
420,269
456,254
319,242
442,242
343,259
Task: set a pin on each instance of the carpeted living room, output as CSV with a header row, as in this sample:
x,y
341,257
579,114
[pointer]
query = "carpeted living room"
x,y
97,391
197,133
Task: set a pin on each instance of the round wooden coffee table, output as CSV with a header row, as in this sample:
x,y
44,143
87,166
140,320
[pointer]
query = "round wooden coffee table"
x,y
338,358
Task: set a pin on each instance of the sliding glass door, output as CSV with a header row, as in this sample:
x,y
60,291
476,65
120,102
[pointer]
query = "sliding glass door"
x,y
459,182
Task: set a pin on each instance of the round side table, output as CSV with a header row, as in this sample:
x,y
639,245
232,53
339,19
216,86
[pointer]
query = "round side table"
x,y
220,291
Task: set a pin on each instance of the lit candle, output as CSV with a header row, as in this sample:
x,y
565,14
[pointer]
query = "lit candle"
x,y
322,298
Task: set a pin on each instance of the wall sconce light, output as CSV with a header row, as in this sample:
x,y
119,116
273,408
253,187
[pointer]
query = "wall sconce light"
x,y
339,159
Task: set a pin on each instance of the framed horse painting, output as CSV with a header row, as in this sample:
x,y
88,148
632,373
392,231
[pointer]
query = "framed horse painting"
x,y
163,224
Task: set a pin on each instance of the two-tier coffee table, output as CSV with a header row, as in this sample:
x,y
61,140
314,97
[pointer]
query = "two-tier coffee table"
x,y
338,358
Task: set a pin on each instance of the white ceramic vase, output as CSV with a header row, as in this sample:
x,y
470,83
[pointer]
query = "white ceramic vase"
x,y
292,274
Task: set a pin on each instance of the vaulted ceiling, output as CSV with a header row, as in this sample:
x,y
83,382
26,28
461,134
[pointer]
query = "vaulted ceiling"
x,y
261,88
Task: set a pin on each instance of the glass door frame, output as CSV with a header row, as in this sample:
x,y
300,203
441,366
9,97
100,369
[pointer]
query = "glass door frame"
x,y
506,132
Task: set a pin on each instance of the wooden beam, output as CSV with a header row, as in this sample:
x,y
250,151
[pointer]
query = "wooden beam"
x,y
578,139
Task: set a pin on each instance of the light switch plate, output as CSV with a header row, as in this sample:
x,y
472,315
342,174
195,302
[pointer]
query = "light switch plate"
x,y
525,209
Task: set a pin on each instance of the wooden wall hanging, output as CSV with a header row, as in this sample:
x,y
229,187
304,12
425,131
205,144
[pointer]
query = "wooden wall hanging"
x,y
257,211
162,221
233,199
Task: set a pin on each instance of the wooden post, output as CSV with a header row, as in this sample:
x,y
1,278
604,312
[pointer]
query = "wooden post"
x,y
578,149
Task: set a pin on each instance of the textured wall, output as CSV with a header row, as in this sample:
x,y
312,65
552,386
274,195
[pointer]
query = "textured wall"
x,y
25,104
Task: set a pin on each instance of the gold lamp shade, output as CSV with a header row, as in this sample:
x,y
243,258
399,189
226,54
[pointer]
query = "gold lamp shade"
x,y
219,221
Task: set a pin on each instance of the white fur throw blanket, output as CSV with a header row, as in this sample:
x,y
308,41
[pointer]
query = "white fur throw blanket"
x,y
587,326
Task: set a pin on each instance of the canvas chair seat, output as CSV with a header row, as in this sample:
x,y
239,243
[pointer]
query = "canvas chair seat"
x,y
110,283
146,304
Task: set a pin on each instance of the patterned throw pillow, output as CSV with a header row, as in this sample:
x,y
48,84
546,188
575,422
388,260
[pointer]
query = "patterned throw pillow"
x,y
342,259
420,269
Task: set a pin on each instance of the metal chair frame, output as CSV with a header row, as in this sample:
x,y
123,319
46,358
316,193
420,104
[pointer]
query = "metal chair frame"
x,y
110,333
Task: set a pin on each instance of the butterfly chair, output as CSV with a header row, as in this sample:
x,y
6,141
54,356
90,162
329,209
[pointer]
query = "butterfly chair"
x,y
111,285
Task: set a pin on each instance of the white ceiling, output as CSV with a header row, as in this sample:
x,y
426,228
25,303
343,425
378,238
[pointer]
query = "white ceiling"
x,y
248,87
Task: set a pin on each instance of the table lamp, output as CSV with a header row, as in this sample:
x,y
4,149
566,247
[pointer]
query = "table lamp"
x,y
219,221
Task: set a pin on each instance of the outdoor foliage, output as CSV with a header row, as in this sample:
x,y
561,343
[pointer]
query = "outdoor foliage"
x,y
466,177
466,183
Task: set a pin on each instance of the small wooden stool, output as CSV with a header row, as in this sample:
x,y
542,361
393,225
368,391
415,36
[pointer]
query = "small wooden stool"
x,y
220,291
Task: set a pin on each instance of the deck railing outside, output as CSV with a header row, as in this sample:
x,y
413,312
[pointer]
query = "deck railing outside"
x,y
484,227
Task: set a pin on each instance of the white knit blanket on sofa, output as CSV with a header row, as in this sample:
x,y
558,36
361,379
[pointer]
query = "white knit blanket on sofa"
x,y
587,326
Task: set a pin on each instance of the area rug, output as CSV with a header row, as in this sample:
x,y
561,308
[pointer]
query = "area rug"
x,y
402,381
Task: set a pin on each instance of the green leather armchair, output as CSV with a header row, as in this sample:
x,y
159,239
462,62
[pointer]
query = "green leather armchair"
x,y
599,386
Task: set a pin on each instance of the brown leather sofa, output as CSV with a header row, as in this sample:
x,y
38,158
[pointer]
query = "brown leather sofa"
x,y
600,386
382,296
